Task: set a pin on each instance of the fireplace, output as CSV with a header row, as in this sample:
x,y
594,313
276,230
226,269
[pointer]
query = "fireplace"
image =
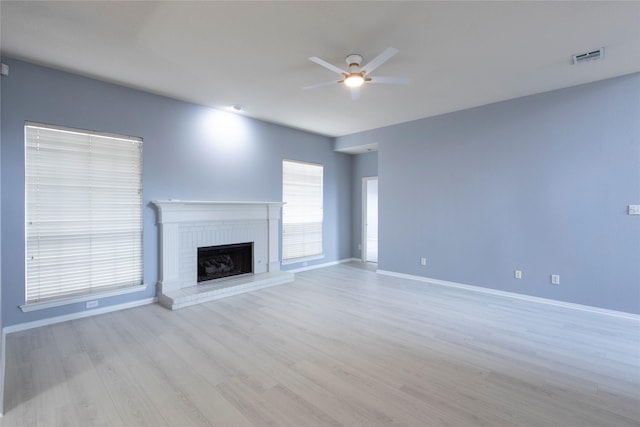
x,y
217,262
186,227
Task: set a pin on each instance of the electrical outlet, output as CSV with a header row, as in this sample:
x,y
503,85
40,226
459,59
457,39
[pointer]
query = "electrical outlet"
x,y
359,246
555,279
633,209
423,261
518,274
92,304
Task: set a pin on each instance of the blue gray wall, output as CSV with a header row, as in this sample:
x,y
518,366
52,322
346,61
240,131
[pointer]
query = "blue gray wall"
x,y
364,165
539,184
190,152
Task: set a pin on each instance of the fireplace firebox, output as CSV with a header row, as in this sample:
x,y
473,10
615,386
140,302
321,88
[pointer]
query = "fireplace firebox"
x,y
217,262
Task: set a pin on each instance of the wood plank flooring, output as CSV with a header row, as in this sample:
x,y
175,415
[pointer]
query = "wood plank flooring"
x,y
340,346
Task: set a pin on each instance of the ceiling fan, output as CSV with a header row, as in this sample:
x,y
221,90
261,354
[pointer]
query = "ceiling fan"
x,y
357,76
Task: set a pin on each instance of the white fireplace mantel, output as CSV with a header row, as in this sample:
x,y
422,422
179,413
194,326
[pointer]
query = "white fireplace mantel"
x,y
187,225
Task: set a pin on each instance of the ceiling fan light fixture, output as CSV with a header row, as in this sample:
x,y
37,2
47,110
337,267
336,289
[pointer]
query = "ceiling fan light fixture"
x,y
354,80
357,75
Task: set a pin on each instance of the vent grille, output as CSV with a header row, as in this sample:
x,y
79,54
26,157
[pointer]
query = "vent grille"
x,y
588,56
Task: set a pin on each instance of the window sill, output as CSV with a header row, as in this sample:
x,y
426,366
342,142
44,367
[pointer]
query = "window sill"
x,y
299,260
34,306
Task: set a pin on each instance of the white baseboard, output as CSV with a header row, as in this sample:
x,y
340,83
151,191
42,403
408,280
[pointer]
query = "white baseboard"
x,y
74,316
3,365
515,295
323,265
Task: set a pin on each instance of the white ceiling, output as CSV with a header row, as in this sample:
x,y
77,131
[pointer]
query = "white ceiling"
x,y
457,54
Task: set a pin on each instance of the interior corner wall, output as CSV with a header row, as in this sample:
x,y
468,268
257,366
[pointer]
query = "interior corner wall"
x,y
539,184
190,152
364,165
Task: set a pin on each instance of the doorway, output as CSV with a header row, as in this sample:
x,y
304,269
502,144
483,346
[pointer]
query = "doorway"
x,y
370,219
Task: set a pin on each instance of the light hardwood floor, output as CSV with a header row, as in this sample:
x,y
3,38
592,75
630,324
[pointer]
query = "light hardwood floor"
x,y
340,346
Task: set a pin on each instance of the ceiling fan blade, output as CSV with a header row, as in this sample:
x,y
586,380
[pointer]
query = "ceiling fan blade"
x,y
389,80
380,59
327,65
332,82
355,93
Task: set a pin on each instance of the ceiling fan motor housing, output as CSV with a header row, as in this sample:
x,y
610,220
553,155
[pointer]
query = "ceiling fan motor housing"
x,y
354,60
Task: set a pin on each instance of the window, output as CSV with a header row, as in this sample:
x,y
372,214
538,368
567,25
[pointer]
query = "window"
x,y
302,211
83,213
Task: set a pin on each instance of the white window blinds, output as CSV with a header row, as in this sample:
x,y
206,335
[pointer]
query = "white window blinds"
x,y
83,212
302,212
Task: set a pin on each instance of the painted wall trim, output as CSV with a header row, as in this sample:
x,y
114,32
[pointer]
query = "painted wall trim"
x,y
74,316
514,295
364,212
82,298
326,264
3,365
299,260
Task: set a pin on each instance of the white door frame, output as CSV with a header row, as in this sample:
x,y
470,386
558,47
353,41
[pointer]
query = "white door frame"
x,y
363,236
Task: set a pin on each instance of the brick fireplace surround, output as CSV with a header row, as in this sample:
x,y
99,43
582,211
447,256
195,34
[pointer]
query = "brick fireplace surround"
x,y
187,225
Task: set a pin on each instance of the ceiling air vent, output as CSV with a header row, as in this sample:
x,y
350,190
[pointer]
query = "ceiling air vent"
x,y
588,56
